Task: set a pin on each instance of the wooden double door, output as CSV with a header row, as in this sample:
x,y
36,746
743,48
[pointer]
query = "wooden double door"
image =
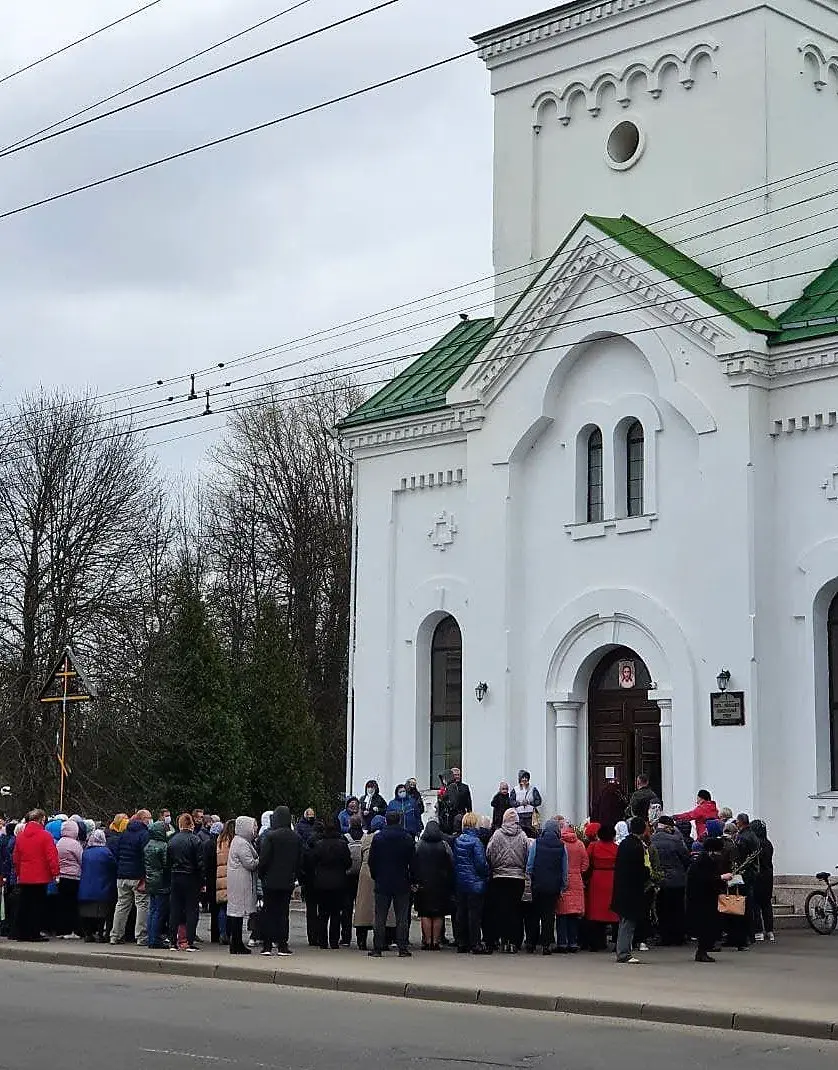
x,y
624,738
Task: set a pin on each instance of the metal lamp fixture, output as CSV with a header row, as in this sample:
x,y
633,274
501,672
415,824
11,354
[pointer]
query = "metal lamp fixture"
x,y
723,679
480,691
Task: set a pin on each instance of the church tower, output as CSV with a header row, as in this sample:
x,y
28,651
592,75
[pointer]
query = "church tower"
x,y
712,122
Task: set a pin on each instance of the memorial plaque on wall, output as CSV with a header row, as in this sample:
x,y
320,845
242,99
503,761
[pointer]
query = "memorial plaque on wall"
x,y
727,708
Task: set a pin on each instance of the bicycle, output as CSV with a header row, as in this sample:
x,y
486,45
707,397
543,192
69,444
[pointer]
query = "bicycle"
x,y
821,907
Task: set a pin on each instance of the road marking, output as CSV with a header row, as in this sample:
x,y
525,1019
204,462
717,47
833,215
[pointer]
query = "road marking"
x,y
191,1055
205,1058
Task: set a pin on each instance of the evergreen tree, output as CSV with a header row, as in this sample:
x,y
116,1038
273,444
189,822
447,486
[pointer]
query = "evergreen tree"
x,y
283,741
199,757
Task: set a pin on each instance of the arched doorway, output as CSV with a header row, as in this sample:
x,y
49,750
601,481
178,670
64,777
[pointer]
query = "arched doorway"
x,y
446,698
624,736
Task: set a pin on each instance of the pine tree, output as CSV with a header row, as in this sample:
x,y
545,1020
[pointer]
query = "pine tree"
x,y
200,757
286,755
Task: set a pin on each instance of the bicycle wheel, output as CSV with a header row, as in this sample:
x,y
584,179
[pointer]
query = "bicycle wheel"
x,y
821,912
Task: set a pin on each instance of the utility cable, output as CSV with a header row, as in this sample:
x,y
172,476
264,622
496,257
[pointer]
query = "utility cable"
x,y
79,41
30,138
203,77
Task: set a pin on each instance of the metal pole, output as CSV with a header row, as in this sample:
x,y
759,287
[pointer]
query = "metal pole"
x,y
63,733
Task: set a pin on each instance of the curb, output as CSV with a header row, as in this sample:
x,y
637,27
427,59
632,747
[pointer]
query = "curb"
x,y
706,1018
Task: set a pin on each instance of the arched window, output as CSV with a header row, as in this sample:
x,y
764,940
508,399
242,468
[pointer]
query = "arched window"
x,y
594,513
634,469
446,698
832,646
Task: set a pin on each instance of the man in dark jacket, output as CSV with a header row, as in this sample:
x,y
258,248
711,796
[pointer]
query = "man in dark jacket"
x,y
643,798
746,854
186,854
455,802
391,868
674,859
279,866
629,899
130,879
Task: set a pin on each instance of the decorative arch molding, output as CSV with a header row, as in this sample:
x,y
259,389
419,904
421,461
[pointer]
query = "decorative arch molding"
x,y
820,64
625,84
589,625
571,647
434,599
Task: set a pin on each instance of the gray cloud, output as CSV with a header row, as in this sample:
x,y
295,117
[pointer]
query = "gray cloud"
x,y
336,215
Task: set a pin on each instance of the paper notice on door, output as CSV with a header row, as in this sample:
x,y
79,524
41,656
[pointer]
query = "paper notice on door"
x,y
609,772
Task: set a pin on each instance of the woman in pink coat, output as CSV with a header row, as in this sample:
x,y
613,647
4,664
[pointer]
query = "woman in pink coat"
x,y
571,903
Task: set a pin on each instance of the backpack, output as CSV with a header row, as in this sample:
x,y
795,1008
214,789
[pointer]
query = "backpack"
x,y
355,854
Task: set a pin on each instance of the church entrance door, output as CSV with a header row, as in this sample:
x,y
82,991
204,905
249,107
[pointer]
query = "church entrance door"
x,y
624,737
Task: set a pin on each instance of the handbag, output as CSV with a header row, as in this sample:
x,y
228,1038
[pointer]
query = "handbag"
x,y
526,896
536,819
732,904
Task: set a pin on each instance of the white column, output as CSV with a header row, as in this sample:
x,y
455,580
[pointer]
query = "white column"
x,y
667,777
567,758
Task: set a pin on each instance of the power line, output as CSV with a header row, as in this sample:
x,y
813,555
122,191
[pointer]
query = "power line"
x,y
202,77
29,139
215,142
289,345
79,41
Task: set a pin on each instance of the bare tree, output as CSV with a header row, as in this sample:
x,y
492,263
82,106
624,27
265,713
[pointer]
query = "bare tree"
x,y
281,528
77,498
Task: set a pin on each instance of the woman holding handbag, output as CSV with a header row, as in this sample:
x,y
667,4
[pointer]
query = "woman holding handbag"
x,y
704,886
526,799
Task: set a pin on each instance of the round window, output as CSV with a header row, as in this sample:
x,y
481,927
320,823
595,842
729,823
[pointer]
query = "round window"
x,y
625,145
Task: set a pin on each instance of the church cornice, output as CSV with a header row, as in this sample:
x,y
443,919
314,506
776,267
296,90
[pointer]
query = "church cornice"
x,y
426,429
805,362
551,24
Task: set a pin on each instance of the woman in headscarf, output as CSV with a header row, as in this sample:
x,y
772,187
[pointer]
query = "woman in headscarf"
x,y
621,831
434,872
97,887
507,857
241,882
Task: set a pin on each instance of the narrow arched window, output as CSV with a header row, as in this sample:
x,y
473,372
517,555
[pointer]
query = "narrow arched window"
x,y
832,645
634,469
595,476
446,698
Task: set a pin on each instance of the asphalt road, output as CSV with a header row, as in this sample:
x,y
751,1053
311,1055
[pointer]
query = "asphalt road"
x,y
96,1020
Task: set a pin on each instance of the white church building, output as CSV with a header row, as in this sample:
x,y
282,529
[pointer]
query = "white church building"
x,y
597,534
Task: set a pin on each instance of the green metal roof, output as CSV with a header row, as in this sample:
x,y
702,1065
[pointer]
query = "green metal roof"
x,y
422,386
686,272
815,313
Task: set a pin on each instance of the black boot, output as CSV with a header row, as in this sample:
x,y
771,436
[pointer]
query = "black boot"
x,y
702,956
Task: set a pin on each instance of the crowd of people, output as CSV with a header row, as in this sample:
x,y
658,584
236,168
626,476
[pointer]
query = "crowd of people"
x,y
629,877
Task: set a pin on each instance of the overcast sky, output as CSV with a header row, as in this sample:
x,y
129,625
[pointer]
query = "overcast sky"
x,y
323,219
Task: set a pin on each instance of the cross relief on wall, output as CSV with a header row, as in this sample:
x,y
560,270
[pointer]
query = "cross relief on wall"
x,y
830,486
444,531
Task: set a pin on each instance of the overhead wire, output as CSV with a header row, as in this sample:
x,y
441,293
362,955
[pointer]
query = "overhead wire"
x,y
204,76
79,41
29,138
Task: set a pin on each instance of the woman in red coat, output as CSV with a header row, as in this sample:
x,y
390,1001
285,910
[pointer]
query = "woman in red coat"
x,y
35,860
602,855
571,903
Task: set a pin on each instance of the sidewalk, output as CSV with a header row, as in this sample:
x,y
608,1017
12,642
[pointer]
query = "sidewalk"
x,y
788,988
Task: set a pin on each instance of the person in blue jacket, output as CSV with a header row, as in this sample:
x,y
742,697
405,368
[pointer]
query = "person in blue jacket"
x,y
7,872
97,887
547,870
405,805
352,807
471,872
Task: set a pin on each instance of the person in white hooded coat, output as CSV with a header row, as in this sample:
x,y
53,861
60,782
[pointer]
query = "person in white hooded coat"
x,y
241,882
